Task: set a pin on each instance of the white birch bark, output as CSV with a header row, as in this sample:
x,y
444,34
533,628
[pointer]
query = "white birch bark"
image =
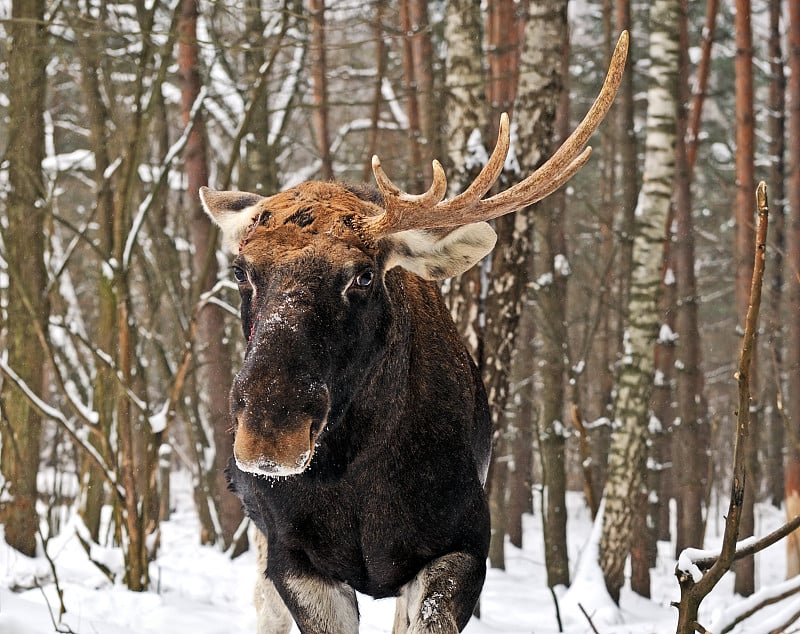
x,y
626,462
466,151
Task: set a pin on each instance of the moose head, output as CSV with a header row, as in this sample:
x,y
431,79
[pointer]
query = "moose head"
x,y
315,266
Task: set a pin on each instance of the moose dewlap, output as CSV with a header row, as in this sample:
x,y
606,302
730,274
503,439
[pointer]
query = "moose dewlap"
x,y
362,429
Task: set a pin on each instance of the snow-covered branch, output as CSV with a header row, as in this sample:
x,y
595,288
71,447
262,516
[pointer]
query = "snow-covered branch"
x,y
161,179
67,424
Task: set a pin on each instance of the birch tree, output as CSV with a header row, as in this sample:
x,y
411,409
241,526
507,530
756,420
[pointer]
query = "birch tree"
x,y
466,149
631,416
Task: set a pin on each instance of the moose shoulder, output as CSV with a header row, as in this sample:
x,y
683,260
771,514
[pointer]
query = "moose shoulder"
x,y
362,431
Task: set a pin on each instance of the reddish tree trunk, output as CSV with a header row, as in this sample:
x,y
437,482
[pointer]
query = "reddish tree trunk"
x,y
793,257
319,74
743,257
701,84
416,180
212,353
509,270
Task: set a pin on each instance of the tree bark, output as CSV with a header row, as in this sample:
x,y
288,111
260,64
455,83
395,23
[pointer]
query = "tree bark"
x,y
319,76
793,257
508,278
775,336
414,105
24,240
213,356
743,248
690,449
543,107
466,150
628,448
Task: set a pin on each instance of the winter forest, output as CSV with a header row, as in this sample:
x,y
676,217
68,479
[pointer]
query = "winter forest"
x,y
637,331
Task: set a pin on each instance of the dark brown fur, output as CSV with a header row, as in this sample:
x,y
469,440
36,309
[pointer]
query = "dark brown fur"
x,y
362,368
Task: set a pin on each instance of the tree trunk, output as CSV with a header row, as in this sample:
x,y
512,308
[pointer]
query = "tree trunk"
x,y
628,448
793,257
743,258
690,449
520,481
416,169
213,356
542,107
425,95
319,76
775,335
466,151
509,273
93,495
24,240
380,56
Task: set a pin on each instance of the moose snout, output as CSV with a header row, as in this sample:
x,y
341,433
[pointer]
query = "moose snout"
x,y
279,441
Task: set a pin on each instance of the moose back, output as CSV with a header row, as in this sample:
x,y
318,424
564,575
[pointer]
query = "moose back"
x,y
362,430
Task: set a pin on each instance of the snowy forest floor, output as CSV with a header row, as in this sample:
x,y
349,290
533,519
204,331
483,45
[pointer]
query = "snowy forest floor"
x,y
199,590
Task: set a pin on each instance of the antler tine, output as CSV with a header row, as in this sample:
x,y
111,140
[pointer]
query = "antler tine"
x,y
567,159
490,172
401,208
427,211
397,202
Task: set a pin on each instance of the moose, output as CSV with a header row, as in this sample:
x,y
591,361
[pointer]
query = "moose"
x,y
362,432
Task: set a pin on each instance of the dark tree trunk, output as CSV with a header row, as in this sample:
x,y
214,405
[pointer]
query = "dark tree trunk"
x,y
24,240
543,69
93,495
509,272
690,449
793,257
775,335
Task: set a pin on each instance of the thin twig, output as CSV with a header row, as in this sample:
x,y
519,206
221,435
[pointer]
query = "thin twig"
x,y
588,618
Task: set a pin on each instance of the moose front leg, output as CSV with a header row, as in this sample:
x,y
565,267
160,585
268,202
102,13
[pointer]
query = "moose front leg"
x,y
272,616
440,599
319,606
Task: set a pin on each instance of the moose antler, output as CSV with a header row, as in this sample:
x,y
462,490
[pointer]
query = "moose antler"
x,y
428,211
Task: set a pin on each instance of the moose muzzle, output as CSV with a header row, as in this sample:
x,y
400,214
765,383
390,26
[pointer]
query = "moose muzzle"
x,y
280,442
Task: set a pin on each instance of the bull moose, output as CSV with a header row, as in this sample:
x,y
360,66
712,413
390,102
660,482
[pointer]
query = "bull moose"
x,y
362,428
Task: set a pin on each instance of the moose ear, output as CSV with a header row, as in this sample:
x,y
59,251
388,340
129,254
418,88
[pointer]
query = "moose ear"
x,y
232,212
436,254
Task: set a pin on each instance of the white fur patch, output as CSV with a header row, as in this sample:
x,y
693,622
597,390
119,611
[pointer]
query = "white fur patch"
x,y
435,256
272,615
330,607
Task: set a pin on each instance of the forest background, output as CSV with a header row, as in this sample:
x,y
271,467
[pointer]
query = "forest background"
x,y
607,323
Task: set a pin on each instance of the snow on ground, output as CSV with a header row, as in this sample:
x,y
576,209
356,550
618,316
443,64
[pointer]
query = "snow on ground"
x,y
199,590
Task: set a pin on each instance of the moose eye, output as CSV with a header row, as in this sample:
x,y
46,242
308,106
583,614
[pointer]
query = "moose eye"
x,y
364,279
239,274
